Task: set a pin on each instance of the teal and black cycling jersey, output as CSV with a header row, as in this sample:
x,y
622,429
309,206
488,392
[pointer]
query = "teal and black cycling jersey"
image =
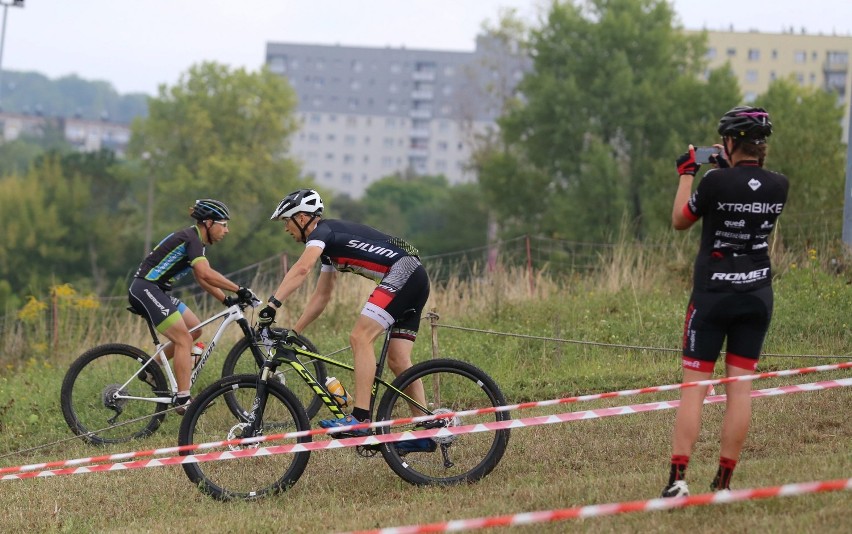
x,y
172,258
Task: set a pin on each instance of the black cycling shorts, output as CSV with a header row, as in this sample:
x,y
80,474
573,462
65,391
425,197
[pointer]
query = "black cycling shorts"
x,y
742,318
152,302
404,287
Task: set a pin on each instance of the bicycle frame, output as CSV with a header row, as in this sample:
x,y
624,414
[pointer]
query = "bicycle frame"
x,y
282,353
233,314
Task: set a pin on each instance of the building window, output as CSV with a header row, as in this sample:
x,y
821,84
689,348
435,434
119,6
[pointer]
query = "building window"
x,y
348,159
354,85
711,53
346,177
749,97
774,54
387,162
772,76
800,78
814,56
732,52
387,142
316,118
278,64
351,121
838,57
329,156
754,54
349,140
800,56
449,70
390,123
751,76
357,66
442,146
394,67
330,137
353,103
813,78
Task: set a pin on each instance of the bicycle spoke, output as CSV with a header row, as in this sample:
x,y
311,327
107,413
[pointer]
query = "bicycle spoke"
x,y
451,459
210,419
92,394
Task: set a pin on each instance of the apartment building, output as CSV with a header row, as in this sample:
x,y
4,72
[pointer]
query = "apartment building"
x,y
368,113
757,59
84,135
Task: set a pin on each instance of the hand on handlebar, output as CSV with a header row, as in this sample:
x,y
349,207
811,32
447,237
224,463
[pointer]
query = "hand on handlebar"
x,y
266,316
247,296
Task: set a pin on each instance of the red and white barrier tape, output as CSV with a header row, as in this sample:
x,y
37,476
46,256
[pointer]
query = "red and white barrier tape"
x,y
599,510
389,438
522,406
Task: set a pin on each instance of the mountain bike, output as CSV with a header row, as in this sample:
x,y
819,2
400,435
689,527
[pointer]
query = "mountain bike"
x,y
450,386
115,392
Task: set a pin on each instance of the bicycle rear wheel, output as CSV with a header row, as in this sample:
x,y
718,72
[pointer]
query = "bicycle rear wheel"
x,y
240,360
450,386
88,395
210,419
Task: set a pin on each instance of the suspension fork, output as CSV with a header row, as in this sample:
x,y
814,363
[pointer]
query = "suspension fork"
x,y
255,414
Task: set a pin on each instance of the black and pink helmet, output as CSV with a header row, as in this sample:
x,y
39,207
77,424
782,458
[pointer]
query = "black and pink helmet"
x,y
746,123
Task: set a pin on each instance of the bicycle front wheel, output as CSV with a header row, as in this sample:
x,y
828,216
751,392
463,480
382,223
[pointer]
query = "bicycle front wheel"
x,y
244,475
94,390
449,386
240,360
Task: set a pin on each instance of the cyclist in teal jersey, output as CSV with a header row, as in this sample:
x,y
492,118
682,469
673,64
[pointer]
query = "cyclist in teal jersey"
x,y
173,258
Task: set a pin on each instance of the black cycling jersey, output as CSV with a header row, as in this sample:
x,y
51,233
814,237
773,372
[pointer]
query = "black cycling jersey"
x,y
358,248
172,258
739,206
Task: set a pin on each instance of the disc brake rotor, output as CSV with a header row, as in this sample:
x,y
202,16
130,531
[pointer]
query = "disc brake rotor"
x,y
236,432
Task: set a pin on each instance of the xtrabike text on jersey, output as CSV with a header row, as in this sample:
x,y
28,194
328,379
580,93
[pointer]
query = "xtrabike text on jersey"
x,y
754,207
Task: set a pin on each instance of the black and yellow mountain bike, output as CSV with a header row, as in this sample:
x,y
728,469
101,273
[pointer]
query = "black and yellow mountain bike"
x,y
252,405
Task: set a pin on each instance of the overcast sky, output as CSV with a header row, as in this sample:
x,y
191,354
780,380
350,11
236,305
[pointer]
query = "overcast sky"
x,y
138,44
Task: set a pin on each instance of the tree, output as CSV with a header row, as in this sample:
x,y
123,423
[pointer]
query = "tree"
x,y
614,91
427,212
806,146
221,133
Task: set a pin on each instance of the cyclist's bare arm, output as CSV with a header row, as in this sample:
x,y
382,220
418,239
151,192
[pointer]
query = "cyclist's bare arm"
x,y
318,301
211,280
297,274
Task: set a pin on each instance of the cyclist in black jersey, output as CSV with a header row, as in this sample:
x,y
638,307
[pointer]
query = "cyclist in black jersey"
x,y
390,262
173,258
739,202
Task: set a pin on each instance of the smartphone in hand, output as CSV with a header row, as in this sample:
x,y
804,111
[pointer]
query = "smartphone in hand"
x,y
703,153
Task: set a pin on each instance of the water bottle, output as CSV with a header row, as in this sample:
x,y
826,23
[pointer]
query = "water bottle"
x,y
197,351
338,392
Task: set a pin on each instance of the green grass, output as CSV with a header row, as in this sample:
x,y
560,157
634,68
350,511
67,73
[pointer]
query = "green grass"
x,y
794,438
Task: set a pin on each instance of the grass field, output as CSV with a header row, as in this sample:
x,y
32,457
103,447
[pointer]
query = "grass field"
x,y
794,438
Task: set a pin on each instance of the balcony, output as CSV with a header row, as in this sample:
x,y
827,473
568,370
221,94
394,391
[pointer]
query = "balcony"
x,y
414,152
422,95
835,66
423,75
420,113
